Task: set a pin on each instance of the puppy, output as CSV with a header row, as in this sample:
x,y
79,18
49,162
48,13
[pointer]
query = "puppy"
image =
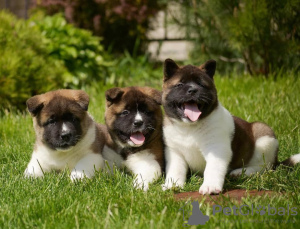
x,y
134,122
66,135
200,134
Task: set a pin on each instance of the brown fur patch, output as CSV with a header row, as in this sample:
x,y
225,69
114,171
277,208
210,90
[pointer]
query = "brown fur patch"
x,y
100,139
242,144
260,129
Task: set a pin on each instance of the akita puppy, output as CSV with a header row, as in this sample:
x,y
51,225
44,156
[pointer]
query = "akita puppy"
x,y
66,135
134,118
201,135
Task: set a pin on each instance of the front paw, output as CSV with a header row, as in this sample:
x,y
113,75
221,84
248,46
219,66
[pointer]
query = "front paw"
x,y
139,184
207,189
77,175
169,185
30,172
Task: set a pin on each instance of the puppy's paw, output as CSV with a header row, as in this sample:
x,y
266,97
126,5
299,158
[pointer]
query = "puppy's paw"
x,y
236,172
138,184
28,173
170,185
77,175
167,186
32,173
207,189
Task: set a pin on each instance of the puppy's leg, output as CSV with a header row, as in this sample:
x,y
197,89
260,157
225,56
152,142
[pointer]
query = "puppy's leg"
x,y
248,171
144,166
112,159
86,166
34,168
176,170
263,158
217,161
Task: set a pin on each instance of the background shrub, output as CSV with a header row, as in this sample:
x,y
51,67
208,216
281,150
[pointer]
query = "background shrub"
x,y
81,52
121,23
134,70
259,36
46,53
25,67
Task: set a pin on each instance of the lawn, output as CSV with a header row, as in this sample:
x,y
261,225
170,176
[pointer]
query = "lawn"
x,y
111,202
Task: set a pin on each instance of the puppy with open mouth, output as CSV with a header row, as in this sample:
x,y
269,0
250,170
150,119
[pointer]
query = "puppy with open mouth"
x,y
66,135
133,118
201,135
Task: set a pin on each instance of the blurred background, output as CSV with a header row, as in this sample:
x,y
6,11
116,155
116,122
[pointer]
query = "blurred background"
x,y
51,44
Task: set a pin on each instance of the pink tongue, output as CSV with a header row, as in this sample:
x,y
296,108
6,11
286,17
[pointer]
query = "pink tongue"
x,y
191,111
138,138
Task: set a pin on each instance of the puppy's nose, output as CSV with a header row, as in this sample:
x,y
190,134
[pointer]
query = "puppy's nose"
x,y
138,123
192,90
66,136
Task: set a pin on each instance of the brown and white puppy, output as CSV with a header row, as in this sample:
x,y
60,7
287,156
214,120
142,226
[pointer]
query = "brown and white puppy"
x,y
201,135
133,118
66,135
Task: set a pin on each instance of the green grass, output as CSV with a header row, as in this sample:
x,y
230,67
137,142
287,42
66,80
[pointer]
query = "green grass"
x,y
111,202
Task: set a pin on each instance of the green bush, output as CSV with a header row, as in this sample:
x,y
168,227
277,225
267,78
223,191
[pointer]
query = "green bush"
x,y
134,70
121,23
260,36
46,53
81,52
26,68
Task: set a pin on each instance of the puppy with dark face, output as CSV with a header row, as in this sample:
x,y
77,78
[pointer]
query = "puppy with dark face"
x,y
134,121
201,135
66,135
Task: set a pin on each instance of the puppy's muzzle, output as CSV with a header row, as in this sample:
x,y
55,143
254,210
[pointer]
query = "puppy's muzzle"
x,y
138,123
66,136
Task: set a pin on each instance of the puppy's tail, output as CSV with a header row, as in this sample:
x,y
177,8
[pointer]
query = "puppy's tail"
x,y
291,161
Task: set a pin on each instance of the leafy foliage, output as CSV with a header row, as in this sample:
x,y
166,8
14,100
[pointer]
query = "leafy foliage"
x,y
134,70
260,35
25,67
81,52
46,53
120,22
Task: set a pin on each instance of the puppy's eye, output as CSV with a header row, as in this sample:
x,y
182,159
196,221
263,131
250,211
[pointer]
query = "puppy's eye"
x,y
200,84
75,119
124,113
146,111
179,85
143,108
51,121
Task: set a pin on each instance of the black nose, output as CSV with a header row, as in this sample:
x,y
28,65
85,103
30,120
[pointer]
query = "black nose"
x,y
66,136
192,90
138,123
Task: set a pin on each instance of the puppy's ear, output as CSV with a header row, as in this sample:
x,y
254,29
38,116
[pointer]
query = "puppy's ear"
x,y
209,67
153,94
113,95
35,104
82,98
170,67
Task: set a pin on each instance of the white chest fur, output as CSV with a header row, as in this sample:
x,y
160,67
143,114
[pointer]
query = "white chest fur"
x,y
194,141
203,147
